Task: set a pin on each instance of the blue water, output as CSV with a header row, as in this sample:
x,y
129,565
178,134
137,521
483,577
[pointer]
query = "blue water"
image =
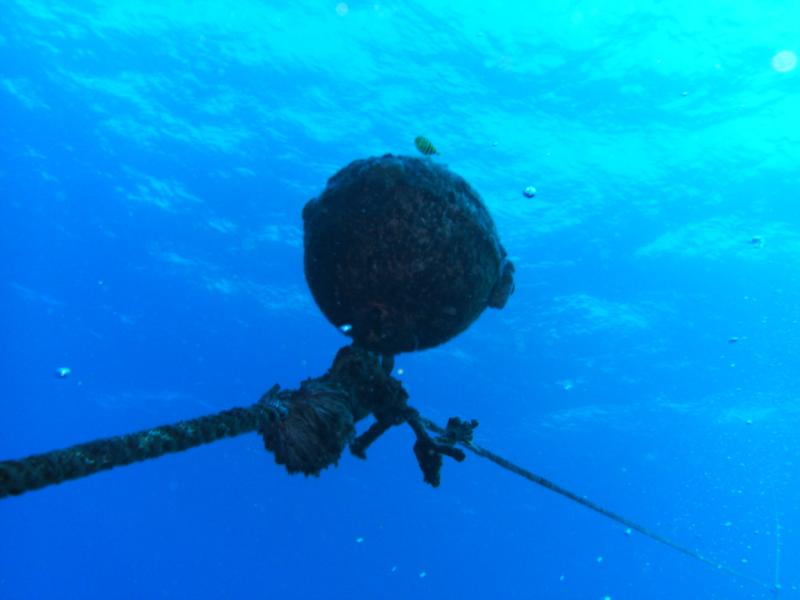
x,y
155,159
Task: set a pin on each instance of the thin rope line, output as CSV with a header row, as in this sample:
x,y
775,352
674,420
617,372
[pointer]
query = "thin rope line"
x,y
553,487
777,584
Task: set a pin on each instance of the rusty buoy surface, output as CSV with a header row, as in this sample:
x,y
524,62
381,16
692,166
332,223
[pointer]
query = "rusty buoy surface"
x,y
402,255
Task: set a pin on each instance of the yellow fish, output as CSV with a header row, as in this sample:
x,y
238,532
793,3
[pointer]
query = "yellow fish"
x,y
424,145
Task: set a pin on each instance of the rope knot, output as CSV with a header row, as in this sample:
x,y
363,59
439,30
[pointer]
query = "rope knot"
x,y
457,431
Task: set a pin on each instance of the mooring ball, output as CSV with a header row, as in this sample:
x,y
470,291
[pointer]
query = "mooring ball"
x,y
401,254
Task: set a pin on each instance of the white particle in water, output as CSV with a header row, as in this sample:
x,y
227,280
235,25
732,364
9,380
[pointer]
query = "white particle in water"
x,y
784,61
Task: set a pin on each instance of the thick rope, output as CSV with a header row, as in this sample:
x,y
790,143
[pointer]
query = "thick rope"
x,y
81,460
553,487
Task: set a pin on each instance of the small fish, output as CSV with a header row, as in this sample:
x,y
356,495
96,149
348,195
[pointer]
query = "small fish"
x,y
425,146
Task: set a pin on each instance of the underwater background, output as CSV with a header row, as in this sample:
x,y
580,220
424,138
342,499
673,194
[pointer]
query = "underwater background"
x,y
154,161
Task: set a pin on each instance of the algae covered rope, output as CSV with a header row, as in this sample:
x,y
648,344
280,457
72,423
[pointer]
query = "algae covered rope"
x,y
306,429
81,460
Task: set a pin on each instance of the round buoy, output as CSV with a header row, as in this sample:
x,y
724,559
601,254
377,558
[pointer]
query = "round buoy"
x,y
401,254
